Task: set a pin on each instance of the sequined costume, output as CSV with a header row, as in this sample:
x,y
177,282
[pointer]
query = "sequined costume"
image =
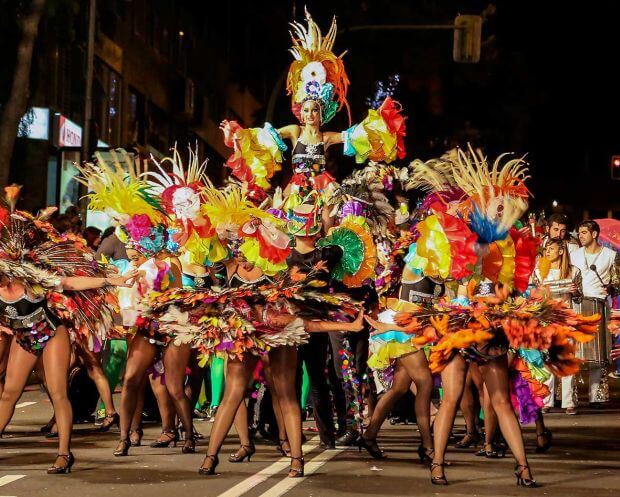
x,y
30,321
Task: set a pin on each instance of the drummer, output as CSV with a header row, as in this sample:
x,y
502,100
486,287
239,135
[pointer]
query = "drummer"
x,y
600,272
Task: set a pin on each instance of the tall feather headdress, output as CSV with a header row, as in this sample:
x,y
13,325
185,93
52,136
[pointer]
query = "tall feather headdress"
x,y
316,73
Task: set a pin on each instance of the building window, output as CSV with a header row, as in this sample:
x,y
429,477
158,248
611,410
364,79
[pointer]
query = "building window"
x,y
158,134
137,121
107,104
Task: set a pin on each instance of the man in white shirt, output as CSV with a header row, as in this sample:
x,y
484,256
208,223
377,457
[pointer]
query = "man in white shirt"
x,y
599,273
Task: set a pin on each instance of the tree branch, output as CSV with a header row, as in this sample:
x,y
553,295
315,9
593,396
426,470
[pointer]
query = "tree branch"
x,y
17,102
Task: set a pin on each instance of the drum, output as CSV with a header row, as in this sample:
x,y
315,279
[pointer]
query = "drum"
x,y
595,351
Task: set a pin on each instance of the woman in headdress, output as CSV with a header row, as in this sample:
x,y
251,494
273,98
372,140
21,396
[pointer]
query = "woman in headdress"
x,y
318,84
52,292
482,324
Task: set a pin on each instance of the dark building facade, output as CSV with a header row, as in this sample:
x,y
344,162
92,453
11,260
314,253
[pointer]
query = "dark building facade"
x,y
160,78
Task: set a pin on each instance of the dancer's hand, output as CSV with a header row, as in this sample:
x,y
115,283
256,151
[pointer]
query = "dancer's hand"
x,y
228,134
358,324
378,325
125,281
615,353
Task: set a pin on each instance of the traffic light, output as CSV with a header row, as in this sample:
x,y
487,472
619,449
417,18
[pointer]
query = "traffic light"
x,y
615,167
467,39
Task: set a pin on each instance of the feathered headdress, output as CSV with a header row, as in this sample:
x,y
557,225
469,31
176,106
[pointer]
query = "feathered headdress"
x,y
121,191
489,198
235,218
316,73
498,194
180,189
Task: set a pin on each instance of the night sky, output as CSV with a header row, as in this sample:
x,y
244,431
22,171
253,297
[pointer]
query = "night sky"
x,y
545,85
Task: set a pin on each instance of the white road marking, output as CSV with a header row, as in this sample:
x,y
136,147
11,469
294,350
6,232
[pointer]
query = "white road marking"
x,y
312,466
5,480
258,478
24,404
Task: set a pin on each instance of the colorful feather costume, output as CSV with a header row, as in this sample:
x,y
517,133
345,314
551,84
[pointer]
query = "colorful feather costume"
x,y
34,253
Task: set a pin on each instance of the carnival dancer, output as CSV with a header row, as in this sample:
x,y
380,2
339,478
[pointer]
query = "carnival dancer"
x,y
318,84
132,203
52,292
490,199
391,344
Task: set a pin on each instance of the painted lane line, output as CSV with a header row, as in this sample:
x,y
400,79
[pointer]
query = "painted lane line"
x,y
24,404
258,478
312,466
5,480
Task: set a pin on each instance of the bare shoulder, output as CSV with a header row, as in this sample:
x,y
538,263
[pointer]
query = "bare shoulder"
x,y
290,132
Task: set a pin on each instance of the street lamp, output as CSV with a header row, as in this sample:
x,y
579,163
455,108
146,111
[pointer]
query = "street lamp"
x,y
554,203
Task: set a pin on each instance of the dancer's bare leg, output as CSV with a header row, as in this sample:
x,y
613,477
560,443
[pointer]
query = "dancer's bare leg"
x,y
92,363
400,386
453,382
468,409
283,368
418,370
275,404
139,357
176,359
238,374
495,376
56,359
167,412
19,366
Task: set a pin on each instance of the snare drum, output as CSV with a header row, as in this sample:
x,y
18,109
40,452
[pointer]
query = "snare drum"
x,y
595,351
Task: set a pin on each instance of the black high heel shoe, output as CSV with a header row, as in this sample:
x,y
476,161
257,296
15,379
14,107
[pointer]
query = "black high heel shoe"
x,y
438,480
189,446
158,444
548,437
136,441
62,470
468,440
285,453
47,428
425,454
123,448
500,448
210,470
108,422
296,473
524,482
245,451
371,447
489,454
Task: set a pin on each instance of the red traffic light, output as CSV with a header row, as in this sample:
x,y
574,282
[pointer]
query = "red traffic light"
x,y
615,167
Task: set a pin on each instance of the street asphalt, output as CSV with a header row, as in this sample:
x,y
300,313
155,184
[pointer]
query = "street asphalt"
x,y
583,461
